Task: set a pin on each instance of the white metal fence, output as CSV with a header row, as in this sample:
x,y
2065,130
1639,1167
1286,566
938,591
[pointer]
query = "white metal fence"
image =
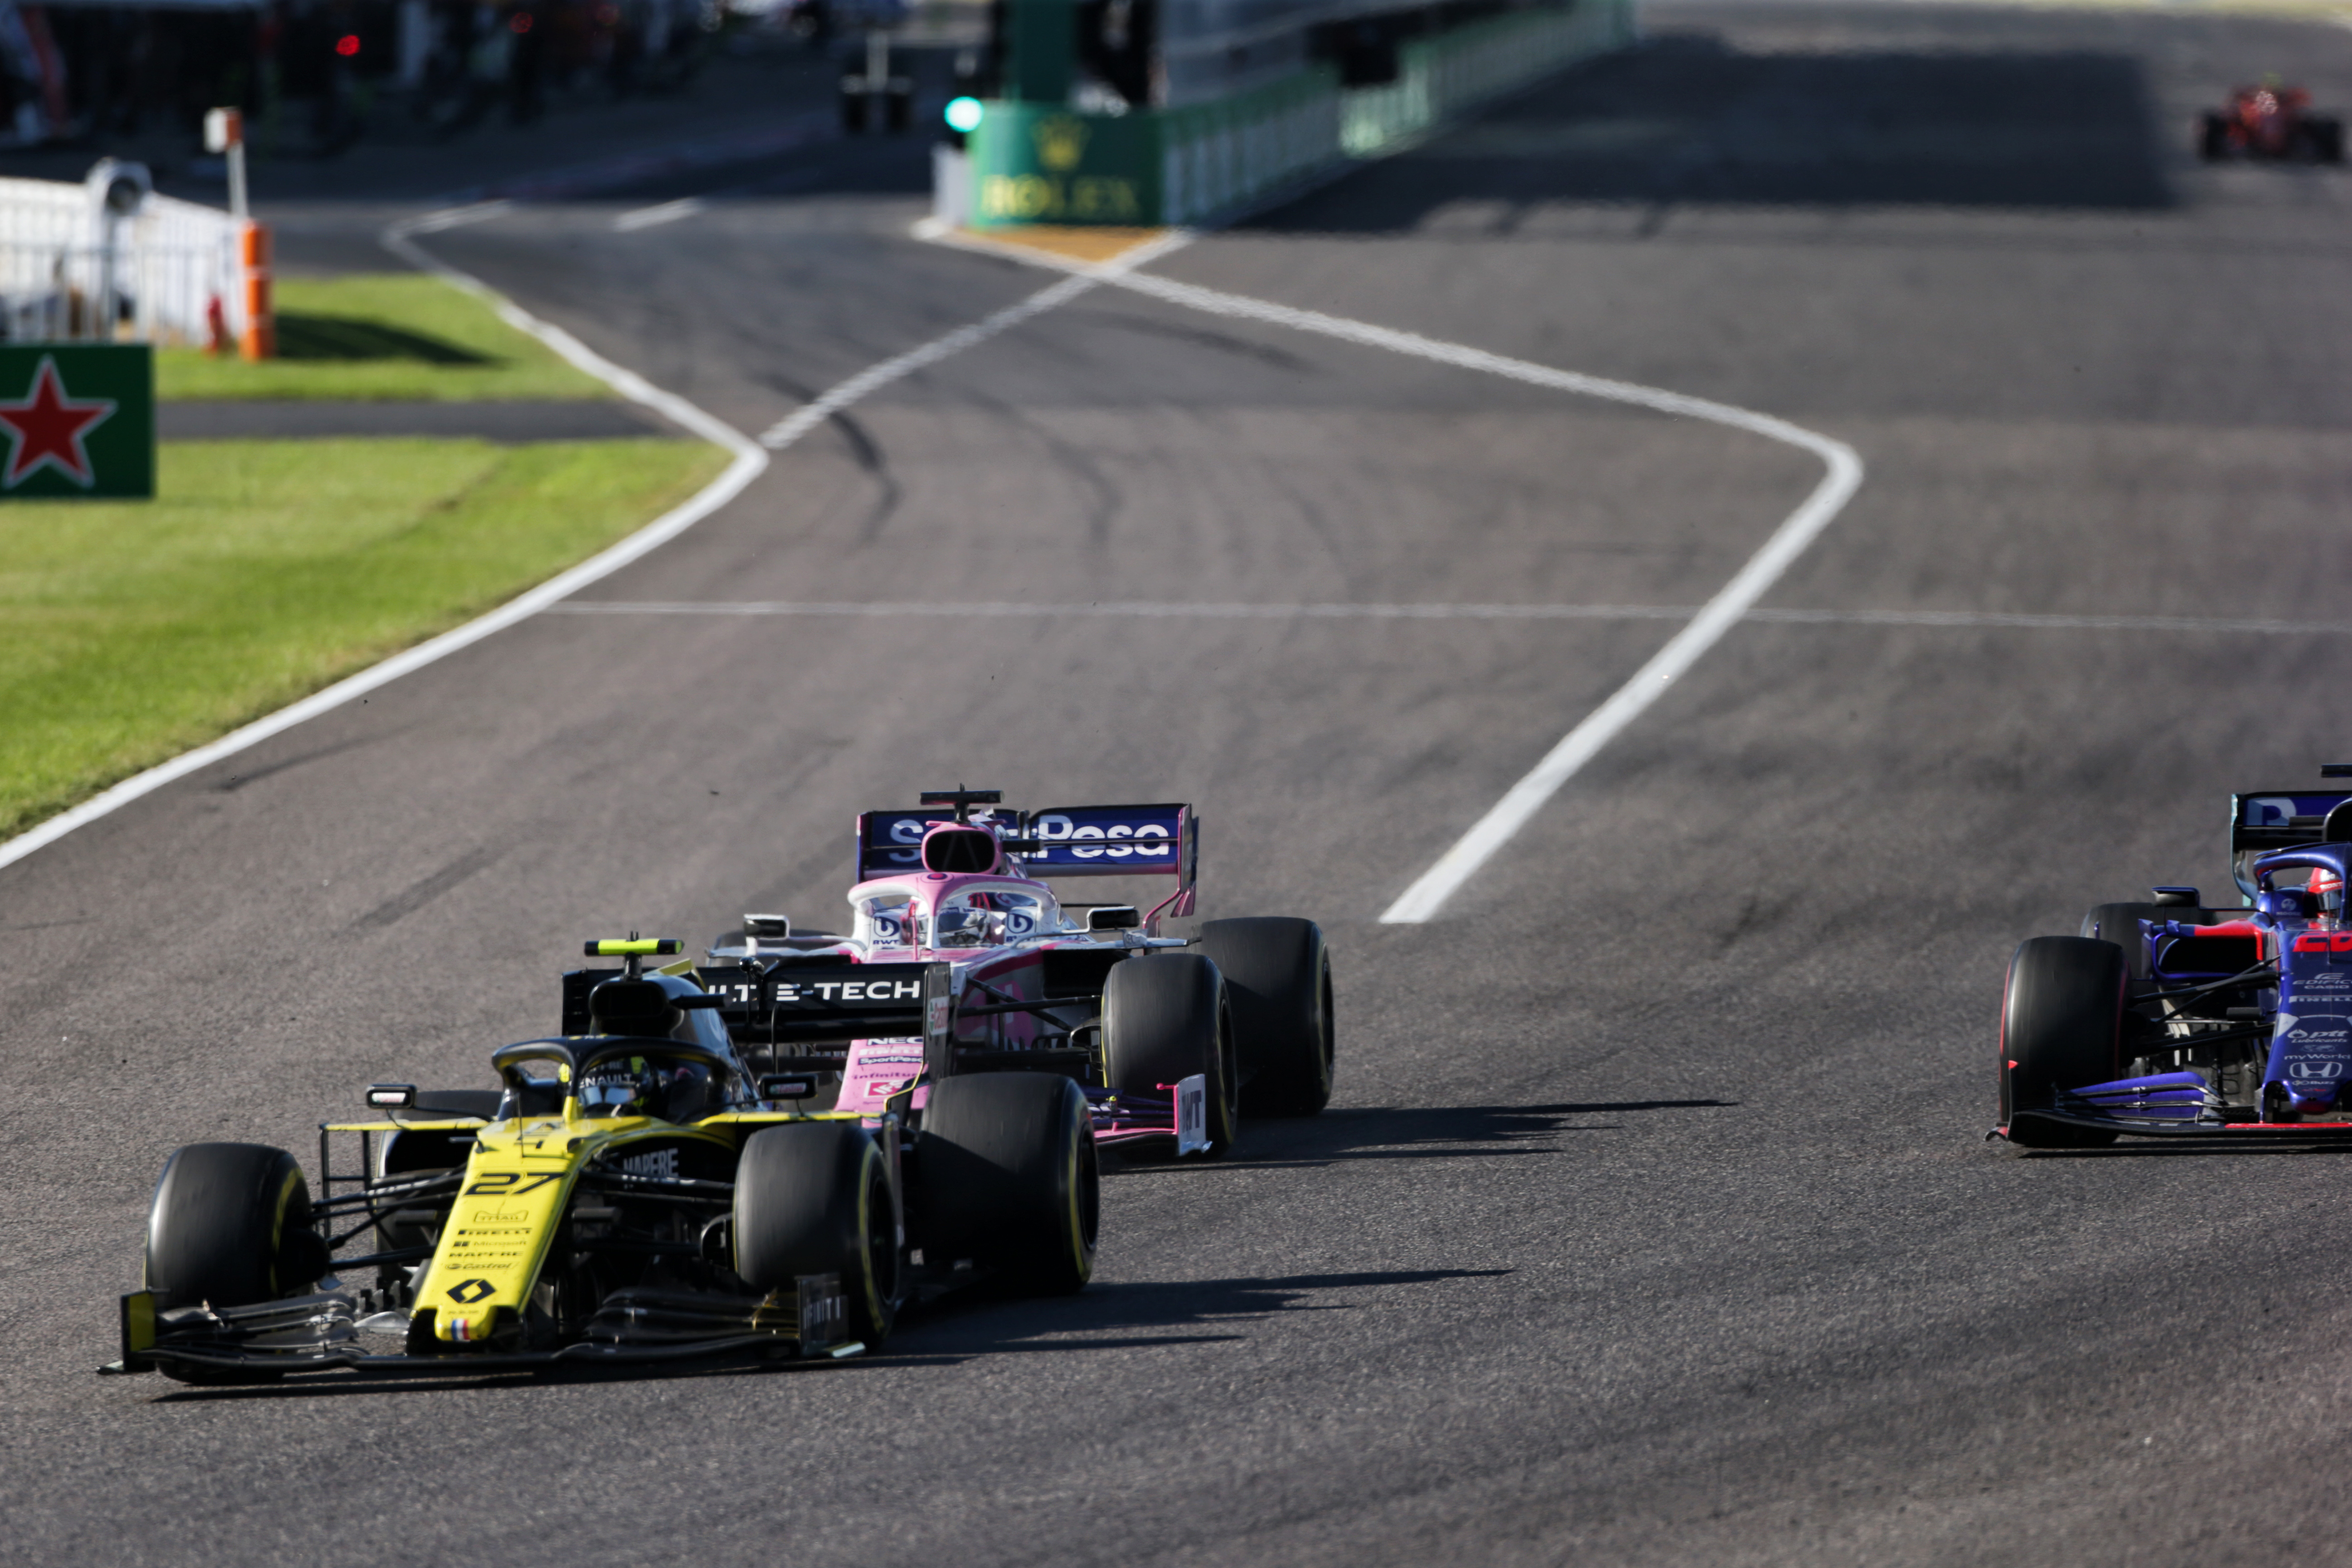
x,y
109,260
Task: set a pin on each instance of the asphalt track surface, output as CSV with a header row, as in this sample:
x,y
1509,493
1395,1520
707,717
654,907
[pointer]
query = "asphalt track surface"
x,y
1652,1222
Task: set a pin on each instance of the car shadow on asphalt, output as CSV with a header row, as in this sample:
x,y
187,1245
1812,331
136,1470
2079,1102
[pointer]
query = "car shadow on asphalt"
x,y
960,1327
2200,1149
1688,119
946,1332
1396,1132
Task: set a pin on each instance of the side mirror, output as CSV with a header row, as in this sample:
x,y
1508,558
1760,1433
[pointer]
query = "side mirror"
x,y
1114,917
391,1096
697,1003
774,926
2178,898
788,1086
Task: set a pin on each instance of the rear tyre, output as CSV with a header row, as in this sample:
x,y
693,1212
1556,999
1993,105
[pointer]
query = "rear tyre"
x,y
2327,140
813,1198
230,1226
1009,1178
2061,1025
1165,1019
1278,983
2212,137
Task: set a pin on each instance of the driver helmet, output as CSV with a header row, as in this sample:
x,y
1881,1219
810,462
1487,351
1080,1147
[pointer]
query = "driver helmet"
x,y
2327,890
625,1086
966,925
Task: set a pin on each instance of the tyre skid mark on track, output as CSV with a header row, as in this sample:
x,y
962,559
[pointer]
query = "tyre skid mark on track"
x,y
1841,478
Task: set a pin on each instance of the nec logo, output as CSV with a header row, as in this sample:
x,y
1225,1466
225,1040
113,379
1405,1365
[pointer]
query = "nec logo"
x,y
2324,942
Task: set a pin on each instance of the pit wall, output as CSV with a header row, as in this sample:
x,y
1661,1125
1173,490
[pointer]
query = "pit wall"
x,y
1045,163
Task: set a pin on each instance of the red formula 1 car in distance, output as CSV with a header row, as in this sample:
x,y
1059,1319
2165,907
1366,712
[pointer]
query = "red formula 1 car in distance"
x,y
2270,121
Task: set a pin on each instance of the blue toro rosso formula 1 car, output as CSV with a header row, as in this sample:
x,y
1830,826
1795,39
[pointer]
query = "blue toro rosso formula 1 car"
x,y
2170,1019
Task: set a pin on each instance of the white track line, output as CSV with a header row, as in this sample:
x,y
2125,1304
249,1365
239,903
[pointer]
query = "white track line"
x,y
888,609
1147,609
786,431
751,461
1841,478
667,212
699,203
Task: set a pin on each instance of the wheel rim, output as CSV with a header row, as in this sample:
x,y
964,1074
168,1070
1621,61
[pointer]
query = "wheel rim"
x,y
1085,1191
1229,1094
881,1247
1323,1025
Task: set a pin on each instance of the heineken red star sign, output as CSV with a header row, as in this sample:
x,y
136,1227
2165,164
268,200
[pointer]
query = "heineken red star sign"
x,y
77,420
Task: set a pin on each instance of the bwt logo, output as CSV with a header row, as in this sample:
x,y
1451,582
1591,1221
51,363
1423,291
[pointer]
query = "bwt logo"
x,y
2308,1070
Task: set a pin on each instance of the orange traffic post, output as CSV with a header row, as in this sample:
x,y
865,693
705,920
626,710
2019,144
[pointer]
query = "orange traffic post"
x,y
259,340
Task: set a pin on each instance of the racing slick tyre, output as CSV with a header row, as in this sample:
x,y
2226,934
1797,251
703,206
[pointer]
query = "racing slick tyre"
x,y
2325,139
1278,983
231,1226
2119,923
2061,1027
813,1198
1167,1018
1009,1178
2212,137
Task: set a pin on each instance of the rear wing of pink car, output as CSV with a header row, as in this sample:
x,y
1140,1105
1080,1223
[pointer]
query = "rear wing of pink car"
x,y
1162,840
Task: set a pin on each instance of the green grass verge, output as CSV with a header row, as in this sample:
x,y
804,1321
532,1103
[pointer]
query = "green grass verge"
x,y
381,337
131,632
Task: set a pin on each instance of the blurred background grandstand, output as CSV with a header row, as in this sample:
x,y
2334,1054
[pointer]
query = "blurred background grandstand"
x,y
316,77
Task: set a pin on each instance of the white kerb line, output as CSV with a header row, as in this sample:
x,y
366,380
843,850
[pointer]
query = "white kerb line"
x,y
1842,477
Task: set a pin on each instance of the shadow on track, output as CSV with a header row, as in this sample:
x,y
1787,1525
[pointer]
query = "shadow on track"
x,y
958,1329
2217,1148
1427,1132
1689,119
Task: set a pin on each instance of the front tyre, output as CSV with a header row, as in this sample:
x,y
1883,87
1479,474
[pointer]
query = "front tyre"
x,y
1010,1180
230,1226
813,1198
1278,983
1166,1019
2061,1027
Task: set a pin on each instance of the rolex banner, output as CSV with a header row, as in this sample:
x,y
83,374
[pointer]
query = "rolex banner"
x,y
78,419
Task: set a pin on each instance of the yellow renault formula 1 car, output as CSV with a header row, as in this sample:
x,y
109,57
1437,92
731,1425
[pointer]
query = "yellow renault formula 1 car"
x,y
633,1193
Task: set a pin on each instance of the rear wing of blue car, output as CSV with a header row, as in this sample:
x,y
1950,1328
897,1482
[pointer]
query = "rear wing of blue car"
x,y
1062,841
2278,819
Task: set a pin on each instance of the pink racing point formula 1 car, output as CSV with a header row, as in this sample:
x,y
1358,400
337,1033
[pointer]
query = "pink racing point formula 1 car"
x,y
961,959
